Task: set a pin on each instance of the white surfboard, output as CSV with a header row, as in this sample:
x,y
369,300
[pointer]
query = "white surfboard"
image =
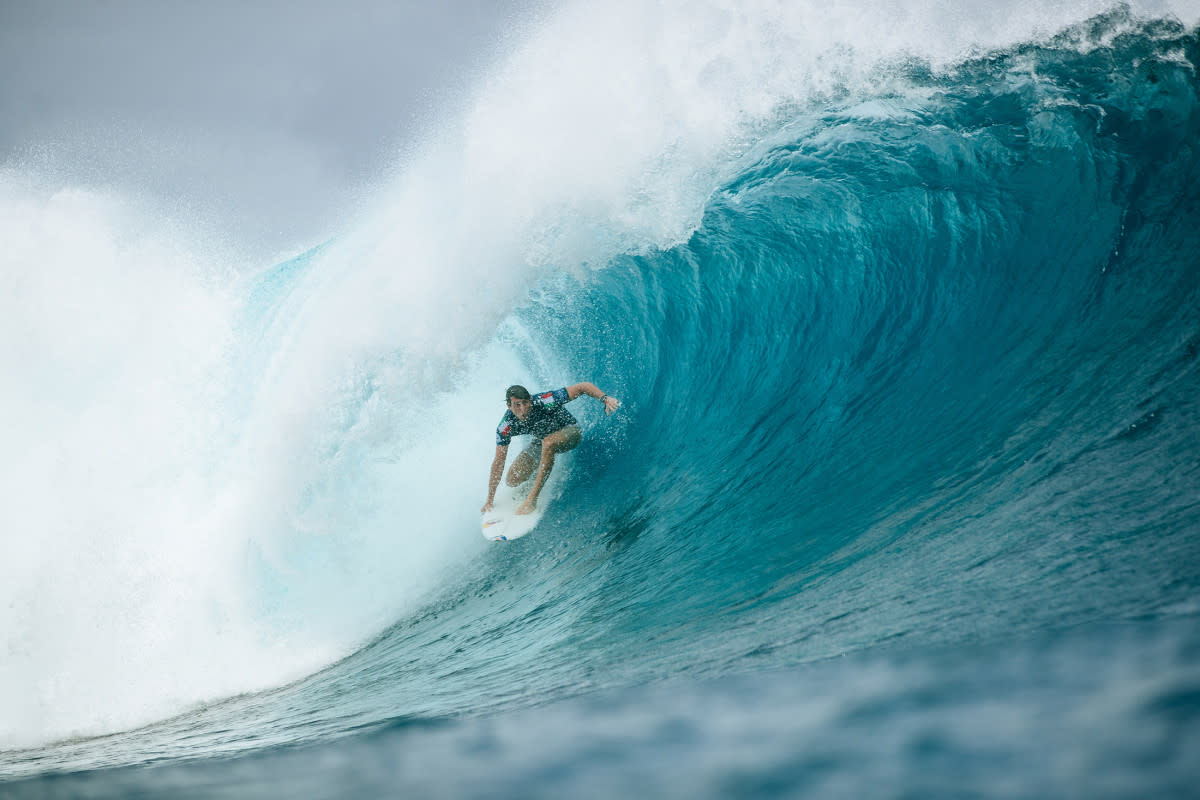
x,y
502,525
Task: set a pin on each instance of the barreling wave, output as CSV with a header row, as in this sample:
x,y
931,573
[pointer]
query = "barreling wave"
x,y
923,370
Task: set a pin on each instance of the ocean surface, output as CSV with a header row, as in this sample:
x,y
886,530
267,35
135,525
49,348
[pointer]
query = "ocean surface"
x,y
903,499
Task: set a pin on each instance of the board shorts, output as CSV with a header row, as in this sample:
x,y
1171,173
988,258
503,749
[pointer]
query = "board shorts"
x,y
534,448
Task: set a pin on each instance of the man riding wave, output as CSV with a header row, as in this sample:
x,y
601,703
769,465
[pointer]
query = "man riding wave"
x,y
553,429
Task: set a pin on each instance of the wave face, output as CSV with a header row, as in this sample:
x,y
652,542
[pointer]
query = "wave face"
x,y
918,391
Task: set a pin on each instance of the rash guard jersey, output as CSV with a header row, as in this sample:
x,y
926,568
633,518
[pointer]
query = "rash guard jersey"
x,y
545,417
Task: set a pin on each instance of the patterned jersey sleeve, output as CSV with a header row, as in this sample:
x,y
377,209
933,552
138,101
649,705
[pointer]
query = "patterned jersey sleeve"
x,y
554,398
504,431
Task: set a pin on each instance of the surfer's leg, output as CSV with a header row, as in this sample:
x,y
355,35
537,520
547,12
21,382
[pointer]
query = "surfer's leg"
x,y
524,465
560,441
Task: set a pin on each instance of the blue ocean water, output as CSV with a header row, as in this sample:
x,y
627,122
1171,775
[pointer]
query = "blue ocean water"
x,y
903,499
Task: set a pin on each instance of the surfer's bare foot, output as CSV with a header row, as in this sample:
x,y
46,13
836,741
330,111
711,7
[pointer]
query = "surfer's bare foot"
x,y
527,507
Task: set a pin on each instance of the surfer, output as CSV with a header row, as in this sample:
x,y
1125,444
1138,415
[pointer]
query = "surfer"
x,y
554,431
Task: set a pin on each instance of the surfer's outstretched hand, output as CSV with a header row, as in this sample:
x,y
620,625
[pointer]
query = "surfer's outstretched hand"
x,y
611,404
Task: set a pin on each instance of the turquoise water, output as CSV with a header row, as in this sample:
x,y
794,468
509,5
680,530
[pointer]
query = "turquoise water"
x,y
903,499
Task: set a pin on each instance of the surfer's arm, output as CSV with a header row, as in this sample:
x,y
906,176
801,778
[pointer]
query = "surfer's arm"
x,y
494,477
576,389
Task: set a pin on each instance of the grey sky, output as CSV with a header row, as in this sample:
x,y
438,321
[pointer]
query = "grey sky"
x,y
261,118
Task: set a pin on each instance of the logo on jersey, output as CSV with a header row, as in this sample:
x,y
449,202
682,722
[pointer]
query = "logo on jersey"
x,y
547,399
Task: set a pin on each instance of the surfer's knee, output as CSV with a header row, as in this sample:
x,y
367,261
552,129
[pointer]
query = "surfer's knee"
x,y
521,469
566,439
